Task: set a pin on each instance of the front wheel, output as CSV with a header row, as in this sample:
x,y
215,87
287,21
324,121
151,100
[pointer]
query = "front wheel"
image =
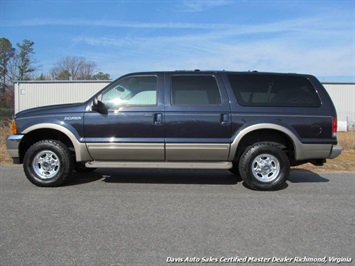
x,y
264,166
48,163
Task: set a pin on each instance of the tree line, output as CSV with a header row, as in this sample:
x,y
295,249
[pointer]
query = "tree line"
x,y
19,63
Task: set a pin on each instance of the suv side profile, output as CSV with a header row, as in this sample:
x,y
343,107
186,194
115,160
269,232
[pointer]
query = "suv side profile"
x,y
255,124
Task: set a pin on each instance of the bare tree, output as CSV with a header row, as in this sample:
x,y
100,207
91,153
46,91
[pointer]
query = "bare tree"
x,y
75,68
7,52
42,76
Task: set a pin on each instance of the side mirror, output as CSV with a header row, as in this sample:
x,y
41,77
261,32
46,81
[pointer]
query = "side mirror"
x,y
99,106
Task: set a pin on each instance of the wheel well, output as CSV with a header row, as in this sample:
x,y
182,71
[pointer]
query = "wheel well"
x,y
269,135
41,134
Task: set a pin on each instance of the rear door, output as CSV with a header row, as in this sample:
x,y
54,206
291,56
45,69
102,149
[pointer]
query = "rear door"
x,y
197,117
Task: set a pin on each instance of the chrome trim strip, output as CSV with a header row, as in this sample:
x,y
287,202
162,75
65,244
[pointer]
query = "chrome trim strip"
x,y
163,165
127,151
122,140
196,152
236,114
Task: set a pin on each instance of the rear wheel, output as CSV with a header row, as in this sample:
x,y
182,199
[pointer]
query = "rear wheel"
x,y
48,163
264,166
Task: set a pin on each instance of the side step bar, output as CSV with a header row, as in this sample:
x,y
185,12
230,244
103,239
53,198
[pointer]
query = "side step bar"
x,y
166,165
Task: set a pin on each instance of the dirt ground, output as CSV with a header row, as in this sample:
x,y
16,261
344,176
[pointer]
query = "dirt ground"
x,y
345,162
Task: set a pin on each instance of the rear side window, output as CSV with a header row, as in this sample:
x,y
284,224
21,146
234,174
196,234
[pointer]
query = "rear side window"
x,y
273,90
194,91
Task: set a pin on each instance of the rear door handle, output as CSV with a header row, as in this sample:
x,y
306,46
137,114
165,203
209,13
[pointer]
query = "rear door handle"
x,y
158,119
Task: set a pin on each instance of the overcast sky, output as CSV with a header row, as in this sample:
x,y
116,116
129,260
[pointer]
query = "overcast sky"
x,y
309,36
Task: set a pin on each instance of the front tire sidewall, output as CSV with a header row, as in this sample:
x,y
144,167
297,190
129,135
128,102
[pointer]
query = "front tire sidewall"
x,y
60,151
246,166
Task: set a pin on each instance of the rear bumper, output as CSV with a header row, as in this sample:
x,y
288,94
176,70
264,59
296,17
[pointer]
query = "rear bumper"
x,y
335,152
12,146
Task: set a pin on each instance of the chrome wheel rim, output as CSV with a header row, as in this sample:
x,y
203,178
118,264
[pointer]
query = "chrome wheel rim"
x,y
46,164
265,167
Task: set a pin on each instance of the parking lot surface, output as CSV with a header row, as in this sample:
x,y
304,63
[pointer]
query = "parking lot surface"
x,y
156,217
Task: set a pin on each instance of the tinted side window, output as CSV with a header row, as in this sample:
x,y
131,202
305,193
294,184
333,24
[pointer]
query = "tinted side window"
x,y
134,91
273,90
194,91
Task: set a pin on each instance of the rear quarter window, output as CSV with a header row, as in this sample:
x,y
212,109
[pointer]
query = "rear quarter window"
x,y
273,91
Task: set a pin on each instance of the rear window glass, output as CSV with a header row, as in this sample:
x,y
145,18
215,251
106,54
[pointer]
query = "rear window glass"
x,y
273,90
194,91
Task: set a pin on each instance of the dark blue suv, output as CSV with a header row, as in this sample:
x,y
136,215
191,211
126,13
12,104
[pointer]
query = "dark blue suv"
x,y
255,124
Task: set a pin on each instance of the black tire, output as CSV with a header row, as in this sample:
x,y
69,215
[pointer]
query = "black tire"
x,y
264,166
48,163
80,168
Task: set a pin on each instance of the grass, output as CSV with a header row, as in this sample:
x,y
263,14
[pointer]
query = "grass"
x,y
5,130
347,140
345,162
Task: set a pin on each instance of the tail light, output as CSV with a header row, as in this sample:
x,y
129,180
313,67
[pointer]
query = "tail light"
x,y
334,127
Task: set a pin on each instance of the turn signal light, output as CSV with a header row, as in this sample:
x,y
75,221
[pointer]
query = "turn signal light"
x,y
13,127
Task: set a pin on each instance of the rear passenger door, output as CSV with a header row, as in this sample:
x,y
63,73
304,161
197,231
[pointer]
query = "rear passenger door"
x,y
197,118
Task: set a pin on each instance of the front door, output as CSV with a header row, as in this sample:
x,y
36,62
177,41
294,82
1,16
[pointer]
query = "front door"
x,y
132,130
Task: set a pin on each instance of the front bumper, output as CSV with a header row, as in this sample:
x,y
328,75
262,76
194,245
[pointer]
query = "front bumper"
x,y
335,152
12,145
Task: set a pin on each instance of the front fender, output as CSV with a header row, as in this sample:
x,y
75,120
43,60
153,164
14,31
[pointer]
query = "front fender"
x,y
68,130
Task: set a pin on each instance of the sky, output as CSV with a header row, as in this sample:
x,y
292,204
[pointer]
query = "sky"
x,y
122,36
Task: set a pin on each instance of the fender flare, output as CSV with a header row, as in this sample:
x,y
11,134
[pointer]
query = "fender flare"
x,y
242,133
81,152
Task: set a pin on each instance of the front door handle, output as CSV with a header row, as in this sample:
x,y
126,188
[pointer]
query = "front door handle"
x,y
225,119
158,119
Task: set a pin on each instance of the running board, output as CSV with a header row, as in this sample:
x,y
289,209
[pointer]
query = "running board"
x,y
166,165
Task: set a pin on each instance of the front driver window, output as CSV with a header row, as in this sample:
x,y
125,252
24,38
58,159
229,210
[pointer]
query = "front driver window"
x,y
131,91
